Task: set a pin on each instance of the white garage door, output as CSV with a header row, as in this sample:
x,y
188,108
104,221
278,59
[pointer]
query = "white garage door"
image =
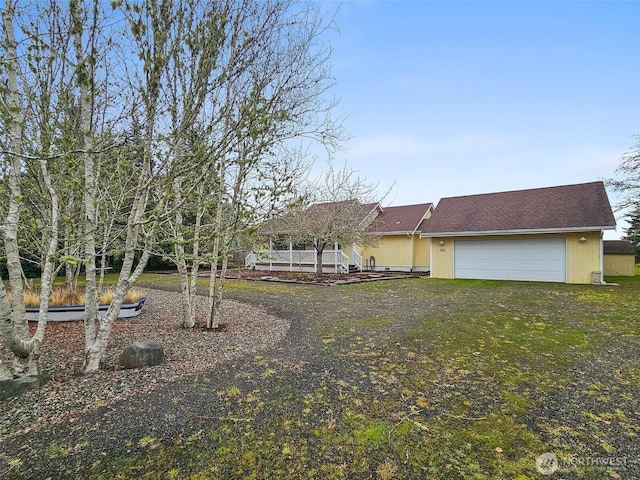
x,y
537,259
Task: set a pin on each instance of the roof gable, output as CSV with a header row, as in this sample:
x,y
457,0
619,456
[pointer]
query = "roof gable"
x,y
569,207
400,219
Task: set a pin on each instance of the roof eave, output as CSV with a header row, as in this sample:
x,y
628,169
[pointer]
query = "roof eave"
x,y
404,232
517,232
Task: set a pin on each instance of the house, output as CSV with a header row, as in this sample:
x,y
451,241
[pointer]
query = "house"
x,y
398,246
283,249
394,235
619,258
551,234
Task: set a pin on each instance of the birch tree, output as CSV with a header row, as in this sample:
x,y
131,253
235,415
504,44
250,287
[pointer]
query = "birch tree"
x,y
195,105
247,78
278,96
20,159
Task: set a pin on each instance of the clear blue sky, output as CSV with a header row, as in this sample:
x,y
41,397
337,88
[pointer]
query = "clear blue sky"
x,y
463,97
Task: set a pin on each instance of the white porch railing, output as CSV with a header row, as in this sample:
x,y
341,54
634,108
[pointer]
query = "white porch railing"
x,y
298,260
357,259
250,260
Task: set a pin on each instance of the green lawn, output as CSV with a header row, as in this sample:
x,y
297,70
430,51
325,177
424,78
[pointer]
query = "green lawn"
x,y
421,378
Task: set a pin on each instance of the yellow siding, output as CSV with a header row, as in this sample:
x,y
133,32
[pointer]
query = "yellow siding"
x,y
619,265
399,252
442,257
583,258
421,257
391,251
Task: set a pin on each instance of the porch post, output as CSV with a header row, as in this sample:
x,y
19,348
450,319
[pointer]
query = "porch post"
x,y
290,255
315,257
270,253
335,257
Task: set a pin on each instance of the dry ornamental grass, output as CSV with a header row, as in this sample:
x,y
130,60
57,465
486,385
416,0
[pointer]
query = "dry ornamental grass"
x,y
76,296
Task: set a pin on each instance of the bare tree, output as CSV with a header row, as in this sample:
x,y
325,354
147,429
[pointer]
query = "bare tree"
x,y
627,181
337,210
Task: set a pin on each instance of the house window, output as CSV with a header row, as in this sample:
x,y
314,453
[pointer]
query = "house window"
x,y
283,244
280,244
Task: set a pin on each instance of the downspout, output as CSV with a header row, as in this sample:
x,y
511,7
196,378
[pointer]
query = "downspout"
x,y
602,282
410,251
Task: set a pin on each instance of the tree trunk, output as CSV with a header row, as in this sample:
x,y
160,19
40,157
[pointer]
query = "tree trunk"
x,y
83,83
319,248
13,323
212,317
188,320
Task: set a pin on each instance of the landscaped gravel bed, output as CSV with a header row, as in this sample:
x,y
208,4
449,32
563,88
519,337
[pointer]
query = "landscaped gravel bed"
x,y
248,330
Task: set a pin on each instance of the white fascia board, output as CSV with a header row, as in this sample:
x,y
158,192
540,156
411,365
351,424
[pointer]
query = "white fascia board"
x,y
407,232
516,232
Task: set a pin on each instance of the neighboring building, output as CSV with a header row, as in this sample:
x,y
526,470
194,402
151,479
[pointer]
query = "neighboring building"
x,y
549,234
619,258
399,246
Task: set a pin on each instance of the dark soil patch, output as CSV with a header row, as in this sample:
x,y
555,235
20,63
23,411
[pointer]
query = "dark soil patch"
x,y
326,279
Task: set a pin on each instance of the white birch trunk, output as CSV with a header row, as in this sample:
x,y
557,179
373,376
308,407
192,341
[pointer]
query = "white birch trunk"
x,y
212,318
13,323
187,310
47,277
82,76
196,259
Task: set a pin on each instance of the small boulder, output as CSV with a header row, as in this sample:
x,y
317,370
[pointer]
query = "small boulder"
x,y
17,386
141,354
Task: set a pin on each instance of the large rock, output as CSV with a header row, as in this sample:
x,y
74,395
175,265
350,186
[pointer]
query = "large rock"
x,y
16,386
142,354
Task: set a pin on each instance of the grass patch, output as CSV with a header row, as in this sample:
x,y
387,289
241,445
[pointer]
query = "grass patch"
x,y
419,378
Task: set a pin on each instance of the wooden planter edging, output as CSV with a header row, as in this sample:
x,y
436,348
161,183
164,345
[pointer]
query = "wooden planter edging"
x,y
66,313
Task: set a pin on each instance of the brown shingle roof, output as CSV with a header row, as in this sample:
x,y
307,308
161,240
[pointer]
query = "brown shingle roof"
x,y
569,207
619,247
278,226
400,219
324,207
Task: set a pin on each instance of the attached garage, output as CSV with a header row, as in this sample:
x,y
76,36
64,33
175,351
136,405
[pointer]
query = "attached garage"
x,y
534,259
551,234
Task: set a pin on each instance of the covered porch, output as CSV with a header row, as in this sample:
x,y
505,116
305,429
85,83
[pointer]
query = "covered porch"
x,y
294,259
